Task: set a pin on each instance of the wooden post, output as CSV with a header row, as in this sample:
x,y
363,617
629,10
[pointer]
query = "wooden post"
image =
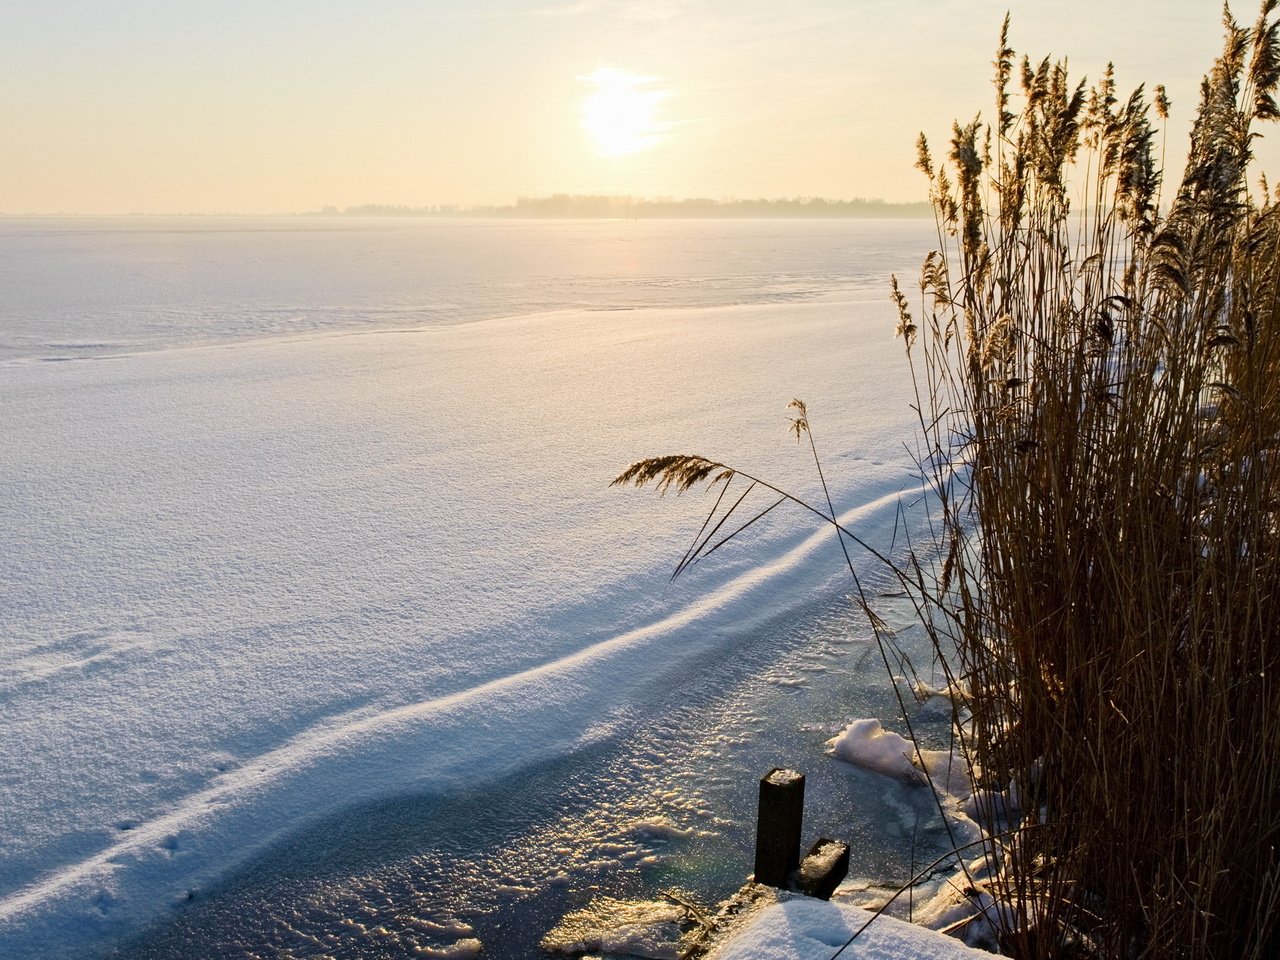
x,y
822,870
778,826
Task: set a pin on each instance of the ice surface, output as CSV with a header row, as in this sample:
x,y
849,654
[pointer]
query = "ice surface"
x,y
82,288
246,585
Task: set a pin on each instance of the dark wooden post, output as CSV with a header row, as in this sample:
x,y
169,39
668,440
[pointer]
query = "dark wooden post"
x,y
822,870
778,826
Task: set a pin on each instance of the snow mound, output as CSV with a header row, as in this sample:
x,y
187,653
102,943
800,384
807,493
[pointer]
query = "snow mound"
x,y
806,929
866,744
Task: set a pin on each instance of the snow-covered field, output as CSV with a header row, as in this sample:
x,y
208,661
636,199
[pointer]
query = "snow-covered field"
x,y
248,581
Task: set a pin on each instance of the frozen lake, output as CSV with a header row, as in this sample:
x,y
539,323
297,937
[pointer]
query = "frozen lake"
x,y
321,632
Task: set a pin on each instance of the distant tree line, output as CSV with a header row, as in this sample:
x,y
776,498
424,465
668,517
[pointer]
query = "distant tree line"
x,y
590,206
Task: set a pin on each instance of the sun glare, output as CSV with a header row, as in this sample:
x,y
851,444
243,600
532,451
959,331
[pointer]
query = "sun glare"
x,y
621,114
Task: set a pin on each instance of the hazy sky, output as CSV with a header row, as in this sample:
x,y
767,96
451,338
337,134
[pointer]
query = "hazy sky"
x,y
116,106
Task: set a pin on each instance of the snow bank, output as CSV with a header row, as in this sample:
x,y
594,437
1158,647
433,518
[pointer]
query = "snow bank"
x,y
806,929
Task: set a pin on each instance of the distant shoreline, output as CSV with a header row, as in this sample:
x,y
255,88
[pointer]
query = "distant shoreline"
x,y
590,207
464,215
562,206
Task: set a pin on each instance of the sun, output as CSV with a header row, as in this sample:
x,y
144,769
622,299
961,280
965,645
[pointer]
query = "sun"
x,y
621,114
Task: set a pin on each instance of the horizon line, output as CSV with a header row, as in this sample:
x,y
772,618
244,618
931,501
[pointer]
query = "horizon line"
x,y
563,206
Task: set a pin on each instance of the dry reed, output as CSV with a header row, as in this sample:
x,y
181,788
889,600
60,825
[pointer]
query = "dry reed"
x,y
1098,390
1100,427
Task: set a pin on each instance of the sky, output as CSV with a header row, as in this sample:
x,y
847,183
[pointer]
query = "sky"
x,y
273,106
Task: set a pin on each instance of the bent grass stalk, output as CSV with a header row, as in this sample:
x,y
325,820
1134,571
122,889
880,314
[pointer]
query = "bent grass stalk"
x,y
682,472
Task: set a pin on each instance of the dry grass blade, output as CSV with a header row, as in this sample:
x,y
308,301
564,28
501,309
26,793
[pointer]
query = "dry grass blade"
x,y
703,554
699,547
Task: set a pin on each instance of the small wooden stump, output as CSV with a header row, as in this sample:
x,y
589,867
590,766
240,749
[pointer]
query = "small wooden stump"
x,y
821,871
778,827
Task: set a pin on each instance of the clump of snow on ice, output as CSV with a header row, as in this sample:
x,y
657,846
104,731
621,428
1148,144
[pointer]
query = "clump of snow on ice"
x,y
968,911
514,889
781,681
995,810
642,928
446,928
660,828
866,744
956,693
461,950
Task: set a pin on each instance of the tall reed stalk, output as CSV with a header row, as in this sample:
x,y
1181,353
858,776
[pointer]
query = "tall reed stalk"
x,y
1098,390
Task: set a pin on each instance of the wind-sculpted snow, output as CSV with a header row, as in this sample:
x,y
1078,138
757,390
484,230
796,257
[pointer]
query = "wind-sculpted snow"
x,y
428,745
246,586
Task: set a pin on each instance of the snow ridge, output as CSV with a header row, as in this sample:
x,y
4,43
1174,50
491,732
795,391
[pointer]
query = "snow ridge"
x,y
367,752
